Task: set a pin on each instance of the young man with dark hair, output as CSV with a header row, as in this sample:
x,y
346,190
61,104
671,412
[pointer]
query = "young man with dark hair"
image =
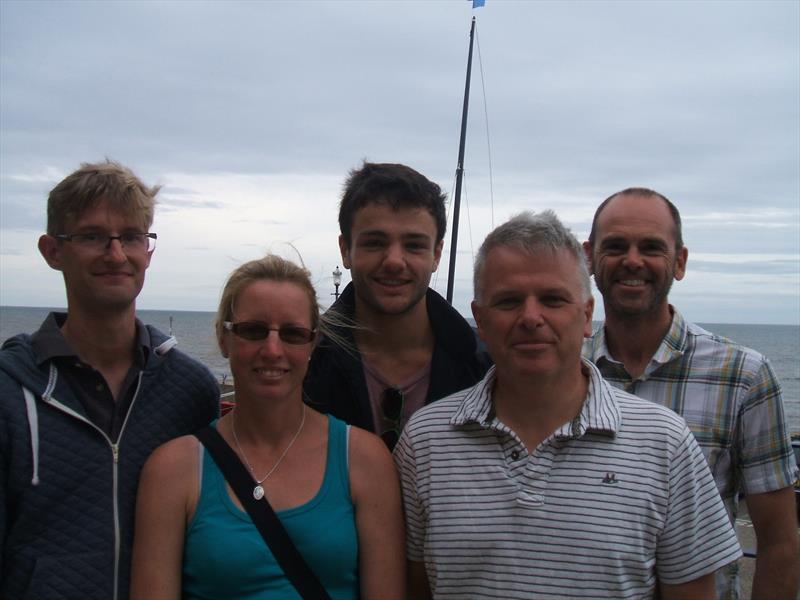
x,y
86,398
408,347
728,394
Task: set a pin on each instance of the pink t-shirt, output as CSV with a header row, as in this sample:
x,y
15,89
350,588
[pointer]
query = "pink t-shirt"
x,y
414,390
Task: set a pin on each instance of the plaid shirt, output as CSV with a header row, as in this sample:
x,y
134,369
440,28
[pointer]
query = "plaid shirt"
x,y
731,400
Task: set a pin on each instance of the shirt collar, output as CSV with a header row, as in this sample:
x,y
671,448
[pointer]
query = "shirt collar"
x,y
477,403
672,346
49,343
599,414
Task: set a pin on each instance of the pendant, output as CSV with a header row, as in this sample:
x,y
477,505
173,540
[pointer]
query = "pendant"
x,y
258,492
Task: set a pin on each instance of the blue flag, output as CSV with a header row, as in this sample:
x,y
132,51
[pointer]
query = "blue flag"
x,y
478,3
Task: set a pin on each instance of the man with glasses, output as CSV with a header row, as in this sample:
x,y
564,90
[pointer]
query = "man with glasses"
x,y
404,346
544,481
85,399
728,394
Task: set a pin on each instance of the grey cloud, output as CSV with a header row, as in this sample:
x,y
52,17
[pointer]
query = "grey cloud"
x,y
788,266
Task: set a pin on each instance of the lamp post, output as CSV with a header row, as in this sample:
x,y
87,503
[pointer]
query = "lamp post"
x,y
337,281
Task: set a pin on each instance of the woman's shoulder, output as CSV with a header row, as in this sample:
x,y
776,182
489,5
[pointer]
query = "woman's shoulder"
x,y
173,457
368,454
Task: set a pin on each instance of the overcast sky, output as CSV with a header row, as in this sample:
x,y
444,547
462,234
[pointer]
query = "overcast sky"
x,y
250,114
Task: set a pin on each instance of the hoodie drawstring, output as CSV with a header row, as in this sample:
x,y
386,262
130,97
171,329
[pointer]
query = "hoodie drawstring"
x,y
33,425
33,418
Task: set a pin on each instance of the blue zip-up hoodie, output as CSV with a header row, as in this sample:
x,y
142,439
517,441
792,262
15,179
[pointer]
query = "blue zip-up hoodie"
x,y
67,493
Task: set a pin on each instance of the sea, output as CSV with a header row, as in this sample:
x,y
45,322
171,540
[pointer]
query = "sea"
x,y
195,334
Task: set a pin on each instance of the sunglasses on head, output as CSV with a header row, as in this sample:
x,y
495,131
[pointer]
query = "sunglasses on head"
x,y
255,331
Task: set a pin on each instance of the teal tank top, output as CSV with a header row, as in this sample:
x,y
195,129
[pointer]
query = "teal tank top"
x,y
224,555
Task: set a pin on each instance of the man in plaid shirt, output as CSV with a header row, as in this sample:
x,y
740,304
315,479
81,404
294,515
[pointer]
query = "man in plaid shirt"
x,y
728,394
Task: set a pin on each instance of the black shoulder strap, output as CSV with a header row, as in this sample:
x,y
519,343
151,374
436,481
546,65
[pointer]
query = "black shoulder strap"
x,y
269,526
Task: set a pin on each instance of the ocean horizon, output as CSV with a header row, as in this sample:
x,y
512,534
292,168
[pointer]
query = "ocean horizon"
x,y
194,331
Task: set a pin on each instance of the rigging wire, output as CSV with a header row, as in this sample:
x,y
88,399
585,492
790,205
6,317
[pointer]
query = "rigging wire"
x,y
486,121
464,170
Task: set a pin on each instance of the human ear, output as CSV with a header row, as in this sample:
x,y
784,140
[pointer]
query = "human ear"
x,y
223,346
681,257
345,252
50,250
437,254
588,311
587,250
476,314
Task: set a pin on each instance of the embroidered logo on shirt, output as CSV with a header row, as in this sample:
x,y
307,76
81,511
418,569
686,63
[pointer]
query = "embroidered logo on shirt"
x,y
610,478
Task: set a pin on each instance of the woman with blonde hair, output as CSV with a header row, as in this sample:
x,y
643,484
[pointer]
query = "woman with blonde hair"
x,y
333,487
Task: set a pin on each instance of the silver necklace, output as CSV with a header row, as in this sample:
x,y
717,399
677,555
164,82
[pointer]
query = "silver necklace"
x,y
258,491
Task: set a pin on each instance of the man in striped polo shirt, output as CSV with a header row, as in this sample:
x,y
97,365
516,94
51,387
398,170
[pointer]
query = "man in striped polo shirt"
x,y
727,393
543,480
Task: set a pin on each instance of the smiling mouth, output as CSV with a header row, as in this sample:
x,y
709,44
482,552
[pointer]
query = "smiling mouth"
x,y
391,282
532,344
116,276
271,373
631,282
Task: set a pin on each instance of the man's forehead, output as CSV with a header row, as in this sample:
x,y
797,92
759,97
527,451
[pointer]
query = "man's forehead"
x,y
102,211
631,213
515,265
381,217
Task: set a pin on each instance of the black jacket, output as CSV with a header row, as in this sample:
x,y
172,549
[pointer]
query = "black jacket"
x,y
335,382
67,494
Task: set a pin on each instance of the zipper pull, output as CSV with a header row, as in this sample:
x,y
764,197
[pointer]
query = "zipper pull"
x,y
115,452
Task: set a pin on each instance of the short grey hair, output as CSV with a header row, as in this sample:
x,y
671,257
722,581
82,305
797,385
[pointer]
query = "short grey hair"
x,y
533,234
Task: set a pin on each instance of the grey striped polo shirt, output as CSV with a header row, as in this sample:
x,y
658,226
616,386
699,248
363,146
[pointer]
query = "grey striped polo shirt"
x,y
612,501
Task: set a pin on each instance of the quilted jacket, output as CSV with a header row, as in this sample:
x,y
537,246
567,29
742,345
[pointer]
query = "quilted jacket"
x,y
67,493
336,384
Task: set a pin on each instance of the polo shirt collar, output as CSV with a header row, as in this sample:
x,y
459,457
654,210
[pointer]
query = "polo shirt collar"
x,y
49,343
477,403
671,347
599,414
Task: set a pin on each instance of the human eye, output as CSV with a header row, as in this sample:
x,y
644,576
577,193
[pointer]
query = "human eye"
x,y
554,300
371,243
251,330
132,238
293,334
506,302
653,248
614,247
90,239
417,246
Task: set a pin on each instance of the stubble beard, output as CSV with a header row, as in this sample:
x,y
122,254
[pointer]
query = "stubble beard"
x,y
648,307
377,307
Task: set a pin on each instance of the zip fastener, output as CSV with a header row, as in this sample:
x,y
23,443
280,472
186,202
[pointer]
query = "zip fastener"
x,y
115,451
115,467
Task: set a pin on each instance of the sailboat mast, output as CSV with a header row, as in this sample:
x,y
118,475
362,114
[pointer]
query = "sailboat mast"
x,y
460,172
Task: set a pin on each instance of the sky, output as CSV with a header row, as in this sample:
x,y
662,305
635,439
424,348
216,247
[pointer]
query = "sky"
x,y
250,115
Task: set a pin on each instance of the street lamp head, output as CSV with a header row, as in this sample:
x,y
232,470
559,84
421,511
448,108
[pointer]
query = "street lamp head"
x,y
337,276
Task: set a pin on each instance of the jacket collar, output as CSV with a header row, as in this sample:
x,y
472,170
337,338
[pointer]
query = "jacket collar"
x,y
450,329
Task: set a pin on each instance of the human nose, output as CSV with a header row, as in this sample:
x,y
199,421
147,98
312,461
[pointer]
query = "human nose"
x,y
272,344
531,313
114,248
632,258
395,256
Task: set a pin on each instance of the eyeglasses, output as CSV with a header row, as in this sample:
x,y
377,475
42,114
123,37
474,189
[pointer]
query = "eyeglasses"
x,y
256,330
392,401
132,241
